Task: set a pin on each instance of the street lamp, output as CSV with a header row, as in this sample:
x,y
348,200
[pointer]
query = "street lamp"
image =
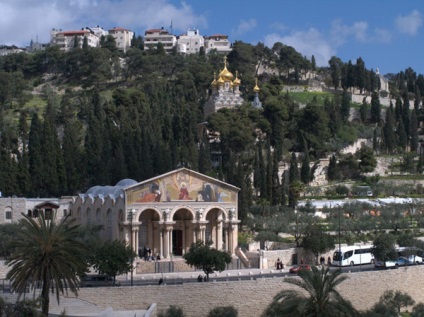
x,y
340,248
130,216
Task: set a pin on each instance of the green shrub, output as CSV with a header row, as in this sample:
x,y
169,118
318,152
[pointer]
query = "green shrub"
x,y
223,311
172,311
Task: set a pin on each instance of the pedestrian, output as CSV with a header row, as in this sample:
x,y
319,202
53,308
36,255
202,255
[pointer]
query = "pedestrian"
x,y
160,281
329,261
322,261
200,278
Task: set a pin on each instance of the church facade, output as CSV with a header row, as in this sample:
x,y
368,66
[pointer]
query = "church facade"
x,y
165,214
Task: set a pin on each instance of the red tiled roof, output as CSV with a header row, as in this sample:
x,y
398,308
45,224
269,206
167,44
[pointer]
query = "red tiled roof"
x,y
80,32
118,29
156,31
217,35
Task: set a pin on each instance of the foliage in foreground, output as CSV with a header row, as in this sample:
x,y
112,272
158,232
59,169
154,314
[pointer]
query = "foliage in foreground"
x,y
172,311
223,311
113,258
46,253
317,296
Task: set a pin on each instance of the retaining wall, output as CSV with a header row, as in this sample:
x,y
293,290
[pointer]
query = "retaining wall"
x,y
252,297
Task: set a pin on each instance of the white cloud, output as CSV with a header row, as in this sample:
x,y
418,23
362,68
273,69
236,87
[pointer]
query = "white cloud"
x,y
23,20
409,24
359,31
310,42
341,32
382,35
244,27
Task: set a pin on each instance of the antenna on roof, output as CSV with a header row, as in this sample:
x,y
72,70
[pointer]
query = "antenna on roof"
x,y
171,27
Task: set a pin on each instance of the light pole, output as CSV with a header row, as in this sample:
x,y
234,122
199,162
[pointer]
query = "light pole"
x,y
130,219
340,248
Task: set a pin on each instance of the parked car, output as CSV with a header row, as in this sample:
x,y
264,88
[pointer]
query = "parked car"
x,y
402,262
300,267
97,280
384,264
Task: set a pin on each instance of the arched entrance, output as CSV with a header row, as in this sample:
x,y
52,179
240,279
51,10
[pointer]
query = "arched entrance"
x,y
148,235
214,228
181,231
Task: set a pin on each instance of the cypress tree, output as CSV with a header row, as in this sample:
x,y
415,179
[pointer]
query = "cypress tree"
x,y
401,136
276,196
72,155
305,171
332,167
389,135
413,132
375,108
35,153
269,173
345,106
293,169
406,115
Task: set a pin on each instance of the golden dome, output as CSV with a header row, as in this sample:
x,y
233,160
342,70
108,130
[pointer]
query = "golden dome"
x,y
220,81
226,75
256,88
236,81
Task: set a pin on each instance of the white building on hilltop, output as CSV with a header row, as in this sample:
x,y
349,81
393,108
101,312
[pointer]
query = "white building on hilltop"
x,y
153,37
66,39
122,38
190,42
218,42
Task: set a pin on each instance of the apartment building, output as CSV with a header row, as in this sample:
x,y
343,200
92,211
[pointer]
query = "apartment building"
x,y
190,42
154,36
66,39
122,37
219,42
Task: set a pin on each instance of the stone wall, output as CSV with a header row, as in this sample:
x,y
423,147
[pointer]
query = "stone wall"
x,y
252,297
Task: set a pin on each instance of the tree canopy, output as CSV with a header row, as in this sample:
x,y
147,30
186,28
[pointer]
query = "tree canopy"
x,y
202,257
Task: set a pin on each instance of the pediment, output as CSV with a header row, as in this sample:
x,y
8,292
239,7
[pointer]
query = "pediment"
x,y
181,185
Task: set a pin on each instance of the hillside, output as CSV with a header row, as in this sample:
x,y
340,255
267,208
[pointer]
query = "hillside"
x,y
95,116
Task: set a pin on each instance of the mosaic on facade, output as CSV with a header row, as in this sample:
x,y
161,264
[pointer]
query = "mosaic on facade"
x,y
181,186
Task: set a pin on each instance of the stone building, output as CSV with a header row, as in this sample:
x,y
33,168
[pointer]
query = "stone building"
x,y
225,92
166,213
12,208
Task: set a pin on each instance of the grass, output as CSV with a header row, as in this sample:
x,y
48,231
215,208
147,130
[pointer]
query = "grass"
x,y
305,97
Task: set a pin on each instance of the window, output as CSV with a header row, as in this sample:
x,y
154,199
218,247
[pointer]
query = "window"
x,y
8,215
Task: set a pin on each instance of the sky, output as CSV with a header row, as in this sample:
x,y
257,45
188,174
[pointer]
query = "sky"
x,y
386,34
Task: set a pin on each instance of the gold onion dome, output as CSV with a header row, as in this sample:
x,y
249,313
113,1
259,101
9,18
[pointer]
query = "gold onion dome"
x,y
220,81
256,88
226,75
236,81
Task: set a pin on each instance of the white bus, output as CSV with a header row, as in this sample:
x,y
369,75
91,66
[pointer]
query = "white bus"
x,y
353,255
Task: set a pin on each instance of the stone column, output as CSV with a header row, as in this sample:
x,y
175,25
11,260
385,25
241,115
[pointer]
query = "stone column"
x,y
161,246
170,242
219,235
166,246
136,239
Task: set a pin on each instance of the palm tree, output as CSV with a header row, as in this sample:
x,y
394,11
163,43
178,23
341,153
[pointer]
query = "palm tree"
x,y
48,253
318,298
